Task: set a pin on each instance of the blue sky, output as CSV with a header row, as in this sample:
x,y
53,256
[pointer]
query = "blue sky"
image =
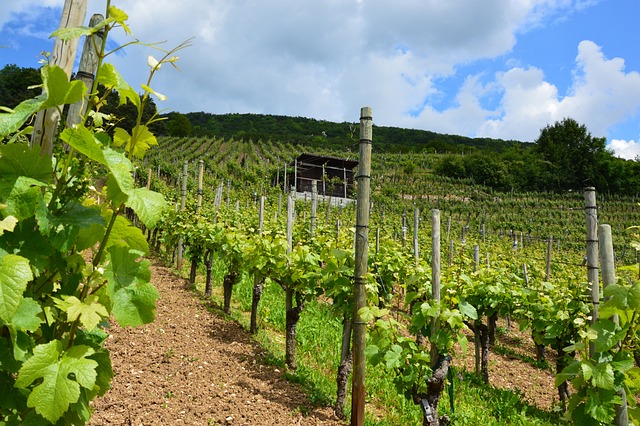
x,y
491,68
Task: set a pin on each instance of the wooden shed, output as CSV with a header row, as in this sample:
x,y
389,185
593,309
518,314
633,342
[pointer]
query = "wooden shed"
x,y
333,176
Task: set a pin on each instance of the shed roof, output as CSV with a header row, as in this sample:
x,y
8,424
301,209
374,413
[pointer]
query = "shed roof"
x,y
319,160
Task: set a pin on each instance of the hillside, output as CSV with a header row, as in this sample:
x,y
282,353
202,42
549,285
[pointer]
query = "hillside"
x,y
314,132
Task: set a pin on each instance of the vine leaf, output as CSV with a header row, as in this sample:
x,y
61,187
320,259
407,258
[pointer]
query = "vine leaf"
x,y
28,315
148,205
140,137
15,273
58,88
62,374
10,122
132,295
90,311
82,140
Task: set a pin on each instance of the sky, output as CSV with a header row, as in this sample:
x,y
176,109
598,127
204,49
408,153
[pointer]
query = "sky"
x,y
493,68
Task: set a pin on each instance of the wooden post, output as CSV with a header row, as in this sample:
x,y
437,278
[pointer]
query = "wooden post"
x,y
183,202
149,178
290,209
344,180
62,55
591,213
87,69
549,250
607,261
314,207
199,192
416,222
295,176
476,257
435,277
362,244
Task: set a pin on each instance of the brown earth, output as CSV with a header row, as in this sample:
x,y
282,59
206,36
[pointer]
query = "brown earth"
x,y
193,367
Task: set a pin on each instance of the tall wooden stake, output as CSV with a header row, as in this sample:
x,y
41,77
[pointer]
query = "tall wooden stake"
x,y
362,246
591,213
183,202
435,277
87,69
63,55
416,224
200,177
609,277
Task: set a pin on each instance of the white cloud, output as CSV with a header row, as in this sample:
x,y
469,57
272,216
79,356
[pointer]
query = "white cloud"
x,y
629,150
326,59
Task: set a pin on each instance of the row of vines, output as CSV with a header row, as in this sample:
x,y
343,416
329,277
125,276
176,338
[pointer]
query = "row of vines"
x,y
311,258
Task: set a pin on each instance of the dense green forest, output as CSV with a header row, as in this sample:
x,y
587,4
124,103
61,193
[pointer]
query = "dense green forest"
x,y
564,157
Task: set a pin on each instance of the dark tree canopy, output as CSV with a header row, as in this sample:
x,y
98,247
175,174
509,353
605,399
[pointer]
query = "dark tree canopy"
x,y
15,83
577,157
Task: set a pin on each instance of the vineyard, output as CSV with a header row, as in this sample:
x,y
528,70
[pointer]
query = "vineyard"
x,y
463,296
511,257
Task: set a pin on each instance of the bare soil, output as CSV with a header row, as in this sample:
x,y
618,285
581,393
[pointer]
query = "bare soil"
x,y
192,367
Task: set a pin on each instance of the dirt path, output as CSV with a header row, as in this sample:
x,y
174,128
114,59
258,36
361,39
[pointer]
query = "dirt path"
x,y
191,367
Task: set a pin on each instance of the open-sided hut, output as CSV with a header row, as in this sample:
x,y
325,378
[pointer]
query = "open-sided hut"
x,y
333,176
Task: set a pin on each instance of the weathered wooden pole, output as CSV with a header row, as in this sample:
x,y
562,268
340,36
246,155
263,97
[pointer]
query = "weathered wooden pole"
x,y
435,278
87,69
183,202
549,251
416,223
362,246
591,213
149,178
607,260
199,191
314,207
62,55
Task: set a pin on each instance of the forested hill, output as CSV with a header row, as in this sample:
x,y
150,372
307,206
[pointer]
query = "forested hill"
x,y
310,131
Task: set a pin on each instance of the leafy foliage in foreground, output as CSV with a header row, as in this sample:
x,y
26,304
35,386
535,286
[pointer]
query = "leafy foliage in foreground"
x,y
69,258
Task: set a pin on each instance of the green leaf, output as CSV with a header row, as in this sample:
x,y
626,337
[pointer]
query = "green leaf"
x,y
28,316
22,196
90,311
120,137
62,374
111,79
148,205
124,234
392,357
468,310
15,274
68,222
569,372
23,160
12,121
603,376
8,224
142,139
633,298
82,140
120,182
58,88
76,32
132,295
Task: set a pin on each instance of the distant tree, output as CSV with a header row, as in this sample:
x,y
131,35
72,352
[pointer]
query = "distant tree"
x,y
178,125
15,83
577,158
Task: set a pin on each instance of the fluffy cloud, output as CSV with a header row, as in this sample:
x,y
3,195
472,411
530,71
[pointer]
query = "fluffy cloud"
x,y
326,59
602,94
625,149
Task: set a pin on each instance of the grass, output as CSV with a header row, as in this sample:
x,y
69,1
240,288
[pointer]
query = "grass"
x,y
318,351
